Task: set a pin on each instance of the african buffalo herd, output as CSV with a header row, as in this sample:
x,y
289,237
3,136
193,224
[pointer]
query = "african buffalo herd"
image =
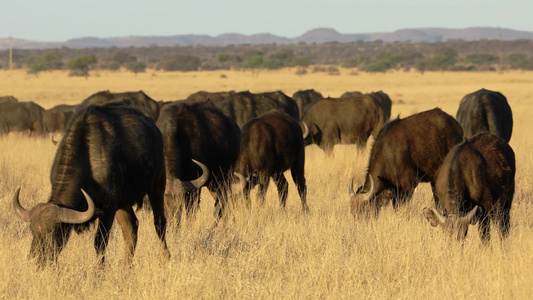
x,y
126,150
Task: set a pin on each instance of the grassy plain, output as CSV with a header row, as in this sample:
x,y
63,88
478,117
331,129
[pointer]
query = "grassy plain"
x,y
270,253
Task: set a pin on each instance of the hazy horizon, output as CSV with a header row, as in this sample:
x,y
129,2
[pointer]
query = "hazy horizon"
x,y
61,20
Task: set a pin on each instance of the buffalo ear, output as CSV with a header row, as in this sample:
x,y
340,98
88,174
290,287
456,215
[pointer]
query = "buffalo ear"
x,y
432,216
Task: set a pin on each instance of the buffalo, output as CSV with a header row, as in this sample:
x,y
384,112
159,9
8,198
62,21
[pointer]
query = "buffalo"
x,y
198,131
215,97
55,119
244,106
271,144
405,152
8,99
349,120
305,99
485,111
21,117
139,99
475,183
113,155
382,98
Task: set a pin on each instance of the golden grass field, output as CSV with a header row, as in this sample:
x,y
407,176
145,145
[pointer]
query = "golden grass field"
x,y
270,253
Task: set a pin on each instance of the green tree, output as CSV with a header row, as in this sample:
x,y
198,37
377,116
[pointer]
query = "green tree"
x,y
179,62
79,66
53,60
35,65
303,62
518,61
122,57
136,67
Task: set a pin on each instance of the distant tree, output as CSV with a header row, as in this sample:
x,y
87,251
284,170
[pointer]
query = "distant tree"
x,y
136,67
444,59
179,62
79,66
35,65
122,57
50,60
300,62
518,61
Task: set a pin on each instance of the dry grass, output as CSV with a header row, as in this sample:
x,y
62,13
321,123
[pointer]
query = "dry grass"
x,y
269,253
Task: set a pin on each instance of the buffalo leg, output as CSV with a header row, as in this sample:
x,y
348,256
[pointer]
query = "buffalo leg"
x,y
297,172
504,222
283,187
160,221
102,234
263,187
484,228
129,224
219,193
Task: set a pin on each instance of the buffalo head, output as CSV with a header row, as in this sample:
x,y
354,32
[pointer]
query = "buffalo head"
x,y
453,224
45,223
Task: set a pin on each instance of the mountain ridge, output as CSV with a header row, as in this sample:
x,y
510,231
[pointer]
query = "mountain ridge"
x,y
316,35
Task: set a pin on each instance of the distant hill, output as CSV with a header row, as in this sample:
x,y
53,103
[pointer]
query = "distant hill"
x,y
318,35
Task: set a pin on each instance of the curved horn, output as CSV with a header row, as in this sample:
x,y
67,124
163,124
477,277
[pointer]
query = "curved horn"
x,y
54,141
200,181
368,195
71,216
241,179
305,130
434,216
469,218
350,190
21,211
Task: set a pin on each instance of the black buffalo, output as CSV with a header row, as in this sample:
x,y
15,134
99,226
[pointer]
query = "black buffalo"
x,y
21,117
55,119
8,99
382,98
139,99
305,99
215,97
113,154
406,152
349,120
475,183
244,106
271,144
202,132
485,111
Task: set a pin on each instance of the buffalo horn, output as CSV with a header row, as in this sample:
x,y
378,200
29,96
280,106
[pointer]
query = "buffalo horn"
x,y
21,211
67,215
469,218
439,216
200,181
351,191
368,195
241,179
305,130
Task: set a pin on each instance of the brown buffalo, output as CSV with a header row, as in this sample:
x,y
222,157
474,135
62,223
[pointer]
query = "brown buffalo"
x,y
406,152
475,183
271,144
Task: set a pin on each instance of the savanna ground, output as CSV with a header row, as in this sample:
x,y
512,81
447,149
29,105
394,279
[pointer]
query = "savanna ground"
x,y
270,253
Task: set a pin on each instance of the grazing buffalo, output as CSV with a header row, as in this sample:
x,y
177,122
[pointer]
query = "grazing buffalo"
x,y
56,118
271,144
475,182
8,99
138,99
198,131
382,98
405,152
113,155
351,94
215,97
349,120
485,111
305,98
21,117
244,106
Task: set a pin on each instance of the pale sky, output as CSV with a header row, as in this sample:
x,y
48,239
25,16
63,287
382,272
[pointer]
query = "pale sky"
x,y
60,20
